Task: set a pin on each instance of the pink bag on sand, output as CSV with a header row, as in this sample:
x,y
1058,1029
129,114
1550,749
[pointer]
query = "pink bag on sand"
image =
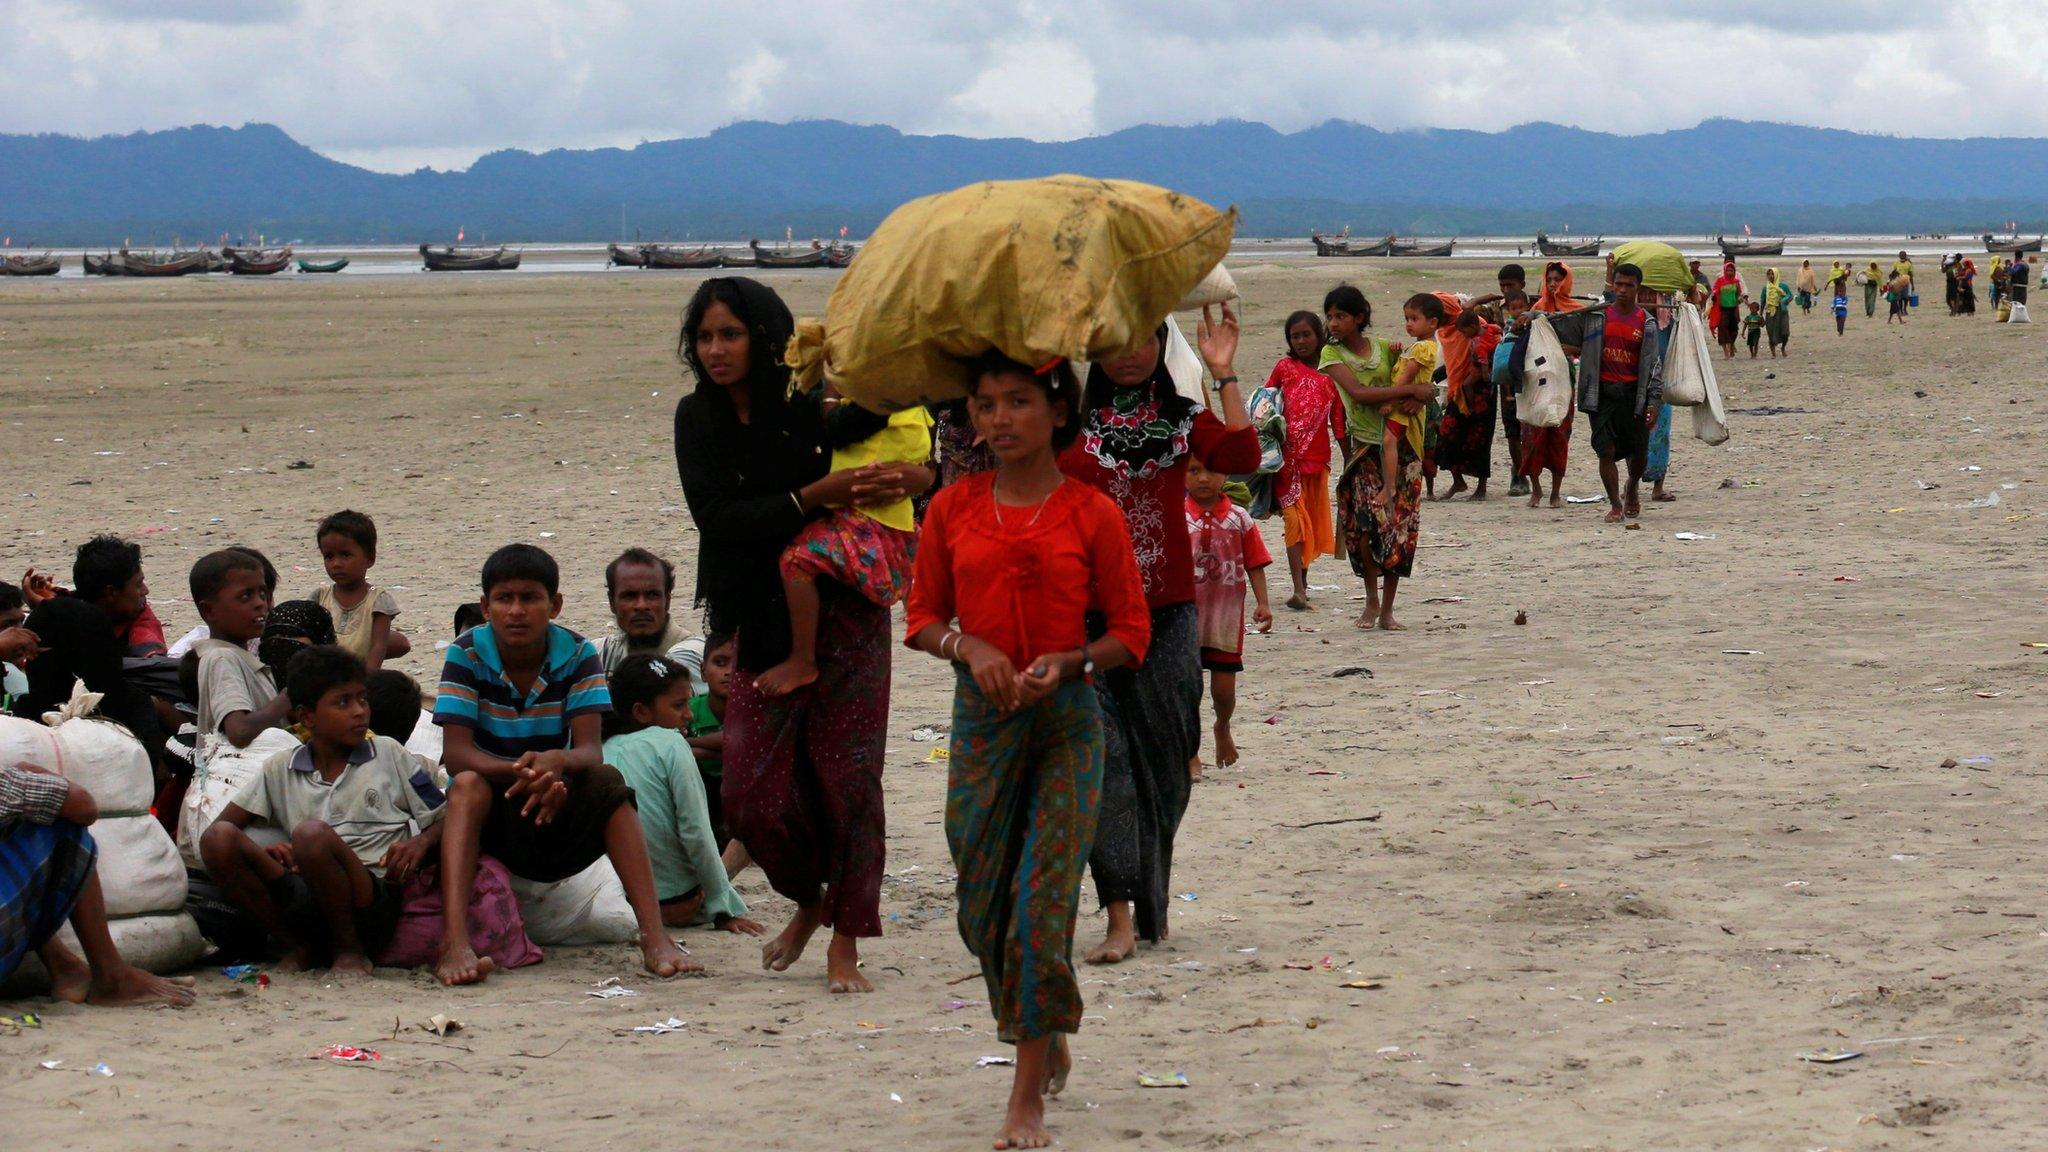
x,y
495,928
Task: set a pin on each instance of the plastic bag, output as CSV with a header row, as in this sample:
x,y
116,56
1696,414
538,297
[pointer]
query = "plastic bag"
x,y
1269,417
1546,398
1687,366
1060,267
587,908
223,770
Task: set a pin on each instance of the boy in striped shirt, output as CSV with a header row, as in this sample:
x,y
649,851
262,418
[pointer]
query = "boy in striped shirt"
x,y
520,705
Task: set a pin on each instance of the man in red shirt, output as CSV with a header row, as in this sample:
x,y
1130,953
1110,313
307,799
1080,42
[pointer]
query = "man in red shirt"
x,y
1621,384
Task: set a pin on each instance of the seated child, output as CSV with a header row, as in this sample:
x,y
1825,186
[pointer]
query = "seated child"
x,y
350,801
49,874
363,613
1753,326
521,706
394,704
866,549
467,616
1229,554
706,730
236,693
651,702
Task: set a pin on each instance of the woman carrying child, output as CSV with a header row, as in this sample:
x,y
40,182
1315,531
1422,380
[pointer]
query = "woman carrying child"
x,y
1020,558
1375,516
1137,435
1464,441
1302,486
803,772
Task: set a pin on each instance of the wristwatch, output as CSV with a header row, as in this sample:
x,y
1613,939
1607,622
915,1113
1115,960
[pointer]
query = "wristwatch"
x,y
1087,664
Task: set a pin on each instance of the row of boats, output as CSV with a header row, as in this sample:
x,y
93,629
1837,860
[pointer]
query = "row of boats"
x,y
678,256
1731,247
127,262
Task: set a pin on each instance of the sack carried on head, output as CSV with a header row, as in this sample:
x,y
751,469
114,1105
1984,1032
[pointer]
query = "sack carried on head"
x,y
1064,267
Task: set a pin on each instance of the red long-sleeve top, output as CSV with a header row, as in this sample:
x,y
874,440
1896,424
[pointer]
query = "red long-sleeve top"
x,y
1153,504
1025,583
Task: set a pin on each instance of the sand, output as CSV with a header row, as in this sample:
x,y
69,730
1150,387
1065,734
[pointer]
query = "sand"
x,y
1614,880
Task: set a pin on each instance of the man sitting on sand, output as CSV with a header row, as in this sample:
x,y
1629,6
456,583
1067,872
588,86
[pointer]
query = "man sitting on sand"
x,y
48,875
638,586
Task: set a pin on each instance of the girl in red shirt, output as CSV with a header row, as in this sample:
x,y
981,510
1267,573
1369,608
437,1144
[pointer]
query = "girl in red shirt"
x,y
1019,557
1137,434
1302,486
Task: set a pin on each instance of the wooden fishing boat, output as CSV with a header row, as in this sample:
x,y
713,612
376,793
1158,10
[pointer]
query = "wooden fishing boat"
x,y
1545,246
1422,248
44,265
1340,246
840,255
731,259
788,258
257,261
306,265
1747,246
624,257
208,260
96,265
128,263
677,256
449,258
2013,246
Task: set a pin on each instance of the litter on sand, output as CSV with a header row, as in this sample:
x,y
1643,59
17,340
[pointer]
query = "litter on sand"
x,y
1445,600
1176,1080
1987,695
1989,500
1829,1055
926,733
346,1054
663,1027
441,1025
1353,670
25,1020
1366,984
1187,896
1694,536
1585,499
937,755
1741,652
995,1061
611,992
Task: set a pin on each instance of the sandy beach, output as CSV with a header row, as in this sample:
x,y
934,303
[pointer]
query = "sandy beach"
x,y
1607,876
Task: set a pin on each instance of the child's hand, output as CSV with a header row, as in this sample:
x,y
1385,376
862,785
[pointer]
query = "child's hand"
x,y
1262,617
19,646
402,859
36,587
282,853
740,925
540,781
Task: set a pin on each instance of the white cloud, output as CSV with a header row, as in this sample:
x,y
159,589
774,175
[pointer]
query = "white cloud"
x,y
394,83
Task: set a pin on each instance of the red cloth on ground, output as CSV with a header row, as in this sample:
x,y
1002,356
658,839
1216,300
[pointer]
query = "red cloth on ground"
x,y
1026,583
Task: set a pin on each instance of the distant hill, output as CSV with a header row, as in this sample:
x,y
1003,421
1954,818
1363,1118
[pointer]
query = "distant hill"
x,y
756,179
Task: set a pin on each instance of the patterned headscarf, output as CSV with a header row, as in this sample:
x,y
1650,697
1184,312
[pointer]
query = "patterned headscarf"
x,y
293,627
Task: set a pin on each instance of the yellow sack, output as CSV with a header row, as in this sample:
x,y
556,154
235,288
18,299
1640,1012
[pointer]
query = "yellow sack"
x,y
1064,266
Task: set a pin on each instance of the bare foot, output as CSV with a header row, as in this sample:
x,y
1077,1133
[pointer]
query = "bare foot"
x,y
842,966
1024,1126
1613,516
1058,1063
1299,603
1536,498
787,677
1226,747
1369,619
1195,769
664,959
459,964
129,987
1634,509
1119,945
1663,497
1389,624
1555,502
353,964
1457,486
778,954
1478,494
70,977
295,960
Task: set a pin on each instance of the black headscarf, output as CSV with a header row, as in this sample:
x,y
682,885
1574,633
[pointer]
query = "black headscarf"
x,y
293,627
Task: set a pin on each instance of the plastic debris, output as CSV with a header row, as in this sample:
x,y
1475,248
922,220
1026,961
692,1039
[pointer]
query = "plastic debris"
x,y
995,1062
895,1099
1848,579
1829,1055
1187,896
1585,499
441,1025
1741,652
1176,1080
1694,536
101,1069
51,1065
938,755
1353,670
663,1027
1987,695
1989,500
1445,600
926,733
612,993
25,1020
346,1054
1368,985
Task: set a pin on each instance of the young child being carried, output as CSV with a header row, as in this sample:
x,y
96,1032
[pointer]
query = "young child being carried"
x,y
521,709
1422,315
349,802
653,701
363,613
867,549
1229,554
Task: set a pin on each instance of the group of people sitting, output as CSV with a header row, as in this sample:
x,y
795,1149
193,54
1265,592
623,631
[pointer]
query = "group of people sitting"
x,y
555,751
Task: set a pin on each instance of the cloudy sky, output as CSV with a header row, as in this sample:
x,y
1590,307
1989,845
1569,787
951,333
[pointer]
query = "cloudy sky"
x,y
393,84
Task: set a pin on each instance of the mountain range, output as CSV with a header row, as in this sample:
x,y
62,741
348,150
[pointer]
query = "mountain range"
x,y
813,177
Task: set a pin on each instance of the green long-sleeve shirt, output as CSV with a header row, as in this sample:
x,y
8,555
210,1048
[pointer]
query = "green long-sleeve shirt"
x,y
674,817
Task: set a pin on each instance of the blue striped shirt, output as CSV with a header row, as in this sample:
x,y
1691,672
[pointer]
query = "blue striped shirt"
x,y
475,693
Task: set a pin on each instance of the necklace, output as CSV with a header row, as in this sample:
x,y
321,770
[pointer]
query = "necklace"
x,y
1042,502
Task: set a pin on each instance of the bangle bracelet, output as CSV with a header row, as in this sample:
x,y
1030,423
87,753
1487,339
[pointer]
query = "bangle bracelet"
x,y
798,501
